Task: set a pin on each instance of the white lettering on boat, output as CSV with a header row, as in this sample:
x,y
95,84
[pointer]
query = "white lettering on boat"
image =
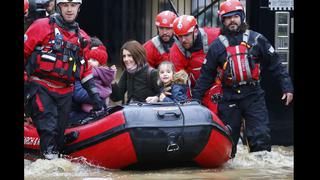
x,y
31,141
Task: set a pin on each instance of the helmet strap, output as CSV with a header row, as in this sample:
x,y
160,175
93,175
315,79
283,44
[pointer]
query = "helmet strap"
x,y
58,10
193,38
193,34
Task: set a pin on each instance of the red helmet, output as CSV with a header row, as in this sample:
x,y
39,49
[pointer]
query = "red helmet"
x,y
165,19
26,6
184,24
230,6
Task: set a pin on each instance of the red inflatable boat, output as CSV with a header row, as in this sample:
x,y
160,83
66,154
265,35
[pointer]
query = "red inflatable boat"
x,y
146,135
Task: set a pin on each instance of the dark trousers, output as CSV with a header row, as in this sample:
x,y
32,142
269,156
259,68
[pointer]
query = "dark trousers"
x,y
252,108
49,112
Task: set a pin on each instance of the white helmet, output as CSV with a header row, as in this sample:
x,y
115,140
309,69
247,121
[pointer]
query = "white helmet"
x,y
58,10
65,1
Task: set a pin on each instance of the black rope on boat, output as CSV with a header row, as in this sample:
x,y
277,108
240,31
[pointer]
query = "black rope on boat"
x,y
183,119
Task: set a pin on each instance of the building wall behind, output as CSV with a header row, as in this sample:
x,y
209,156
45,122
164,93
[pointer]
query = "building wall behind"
x,y
114,22
153,7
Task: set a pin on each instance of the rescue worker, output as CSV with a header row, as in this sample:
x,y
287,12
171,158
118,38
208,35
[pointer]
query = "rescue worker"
x,y
55,51
26,7
49,6
241,53
158,48
189,52
36,10
26,14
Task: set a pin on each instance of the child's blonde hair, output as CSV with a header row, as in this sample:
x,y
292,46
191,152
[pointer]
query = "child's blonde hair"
x,y
180,77
169,63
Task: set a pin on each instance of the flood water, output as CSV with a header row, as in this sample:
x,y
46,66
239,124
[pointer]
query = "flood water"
x,y
264,165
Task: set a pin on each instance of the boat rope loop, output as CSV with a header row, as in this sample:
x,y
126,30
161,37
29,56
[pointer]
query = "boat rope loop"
x,y
173,137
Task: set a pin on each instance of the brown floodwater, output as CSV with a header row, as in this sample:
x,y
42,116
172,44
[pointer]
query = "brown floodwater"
x,y
277,164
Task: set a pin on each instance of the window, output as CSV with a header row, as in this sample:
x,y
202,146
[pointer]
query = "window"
x,y
282,33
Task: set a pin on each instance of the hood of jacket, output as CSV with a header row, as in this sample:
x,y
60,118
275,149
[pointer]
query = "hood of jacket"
x,y
103,76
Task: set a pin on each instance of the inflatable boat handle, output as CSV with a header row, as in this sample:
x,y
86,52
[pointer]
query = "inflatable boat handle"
x,y
175,113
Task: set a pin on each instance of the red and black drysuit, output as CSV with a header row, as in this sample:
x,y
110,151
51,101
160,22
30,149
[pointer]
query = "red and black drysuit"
x,y
54,56
157,50
241,56
191,61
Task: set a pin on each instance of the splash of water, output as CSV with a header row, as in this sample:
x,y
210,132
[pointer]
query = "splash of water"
x,y
277,164
60,167
279,157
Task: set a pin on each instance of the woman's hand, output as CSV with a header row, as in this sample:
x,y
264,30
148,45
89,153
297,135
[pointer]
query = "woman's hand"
x,y
152,99
113,67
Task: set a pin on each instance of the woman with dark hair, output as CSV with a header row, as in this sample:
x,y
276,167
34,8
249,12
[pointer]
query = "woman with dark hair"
x,y
138,79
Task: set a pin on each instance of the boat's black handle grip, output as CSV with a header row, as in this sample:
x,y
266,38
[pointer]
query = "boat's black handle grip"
x,y
175,113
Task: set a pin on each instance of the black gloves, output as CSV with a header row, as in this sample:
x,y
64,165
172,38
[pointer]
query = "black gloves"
x,y
90,87
216,97
97,102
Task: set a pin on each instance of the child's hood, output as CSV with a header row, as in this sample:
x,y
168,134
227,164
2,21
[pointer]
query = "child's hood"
x,y
105,74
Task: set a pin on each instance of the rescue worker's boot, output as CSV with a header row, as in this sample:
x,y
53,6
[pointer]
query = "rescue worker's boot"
x,y
50,156
261,142
234,151
265,147
50,153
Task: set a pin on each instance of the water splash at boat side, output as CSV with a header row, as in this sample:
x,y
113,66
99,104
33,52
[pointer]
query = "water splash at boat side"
x,y
277,164
279,157
60,169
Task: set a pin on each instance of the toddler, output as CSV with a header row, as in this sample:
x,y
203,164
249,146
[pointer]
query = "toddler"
x,y
174,84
